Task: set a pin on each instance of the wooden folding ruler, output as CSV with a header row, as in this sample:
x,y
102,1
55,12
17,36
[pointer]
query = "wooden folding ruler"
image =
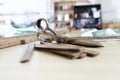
x,y
66,50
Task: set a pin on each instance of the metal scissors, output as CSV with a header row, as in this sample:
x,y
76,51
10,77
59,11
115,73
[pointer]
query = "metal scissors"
x,y
62,39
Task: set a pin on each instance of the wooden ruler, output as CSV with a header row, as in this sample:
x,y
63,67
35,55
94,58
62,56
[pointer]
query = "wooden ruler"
x,y
69,51
62,47
17,40
28,53
99,37
13,41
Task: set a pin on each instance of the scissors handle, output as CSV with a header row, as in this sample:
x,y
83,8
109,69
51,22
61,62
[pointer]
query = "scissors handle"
x,y
47,26
39,23
46,30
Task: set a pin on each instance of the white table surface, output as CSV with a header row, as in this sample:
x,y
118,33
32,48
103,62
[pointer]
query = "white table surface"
x,y
46,66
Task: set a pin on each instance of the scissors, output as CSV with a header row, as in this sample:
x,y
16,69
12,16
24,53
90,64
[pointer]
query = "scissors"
x,y
62,39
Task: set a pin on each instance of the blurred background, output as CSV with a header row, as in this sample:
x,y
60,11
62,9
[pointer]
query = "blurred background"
x,y
18,17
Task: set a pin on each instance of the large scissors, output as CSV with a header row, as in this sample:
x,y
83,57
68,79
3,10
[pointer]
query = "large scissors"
x,y
62,39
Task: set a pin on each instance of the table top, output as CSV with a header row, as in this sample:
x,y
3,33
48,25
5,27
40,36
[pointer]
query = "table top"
x,y
47,66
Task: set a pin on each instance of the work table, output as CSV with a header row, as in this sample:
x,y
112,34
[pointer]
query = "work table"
x,y
47,66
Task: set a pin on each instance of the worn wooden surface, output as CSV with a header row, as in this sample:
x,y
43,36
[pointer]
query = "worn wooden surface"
x,y
47,66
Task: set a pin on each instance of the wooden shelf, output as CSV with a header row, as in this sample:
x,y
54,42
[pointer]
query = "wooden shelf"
x,y
63,11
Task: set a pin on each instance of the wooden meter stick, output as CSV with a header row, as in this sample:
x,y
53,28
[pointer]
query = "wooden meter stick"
x,y
67,50
28,53
13,41
58,48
